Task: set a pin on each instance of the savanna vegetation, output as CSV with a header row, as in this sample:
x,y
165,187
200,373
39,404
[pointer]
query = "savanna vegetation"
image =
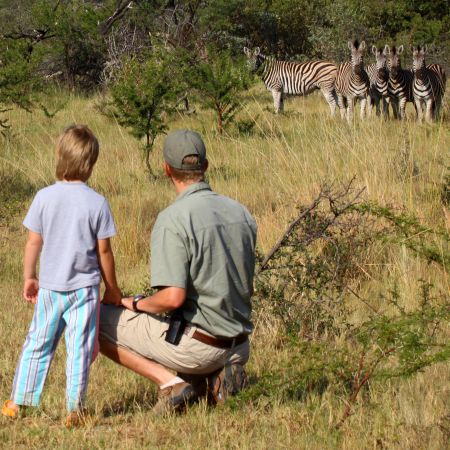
x,y
351,304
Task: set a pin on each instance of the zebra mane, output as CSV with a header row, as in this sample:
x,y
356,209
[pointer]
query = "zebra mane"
x,y
356,43
394,50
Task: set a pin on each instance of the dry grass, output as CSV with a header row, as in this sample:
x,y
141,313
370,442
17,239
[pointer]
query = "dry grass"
x,y
271,171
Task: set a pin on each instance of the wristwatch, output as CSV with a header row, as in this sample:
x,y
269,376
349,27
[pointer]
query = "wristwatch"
x,y
136,300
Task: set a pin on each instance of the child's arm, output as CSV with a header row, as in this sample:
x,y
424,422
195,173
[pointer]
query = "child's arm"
x,y
105,254
32,249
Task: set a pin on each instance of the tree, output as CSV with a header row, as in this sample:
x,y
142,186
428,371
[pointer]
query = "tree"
x,y
218,81
16,78
144,95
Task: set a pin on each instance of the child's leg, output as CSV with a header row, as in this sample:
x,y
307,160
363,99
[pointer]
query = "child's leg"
x,y
97,330
81,320
37,353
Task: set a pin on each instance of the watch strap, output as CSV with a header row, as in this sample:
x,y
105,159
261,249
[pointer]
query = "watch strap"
x,y
136,300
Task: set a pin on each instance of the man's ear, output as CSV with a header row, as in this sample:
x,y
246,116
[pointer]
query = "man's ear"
x,y
205,165
167,170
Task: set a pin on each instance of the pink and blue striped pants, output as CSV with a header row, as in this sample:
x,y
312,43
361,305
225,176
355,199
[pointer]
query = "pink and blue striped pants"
x,y
76,313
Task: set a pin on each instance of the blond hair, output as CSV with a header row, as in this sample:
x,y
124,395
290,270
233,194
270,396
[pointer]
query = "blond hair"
x,y
186,176
76,153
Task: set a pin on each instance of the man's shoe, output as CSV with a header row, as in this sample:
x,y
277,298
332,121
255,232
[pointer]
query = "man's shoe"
x,y
226,382
77,419
173,398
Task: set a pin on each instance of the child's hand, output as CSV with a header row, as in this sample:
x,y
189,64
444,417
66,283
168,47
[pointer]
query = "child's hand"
x,y
30,290
112,297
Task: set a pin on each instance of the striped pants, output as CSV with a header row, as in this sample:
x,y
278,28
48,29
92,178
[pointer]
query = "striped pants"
x,y
76,312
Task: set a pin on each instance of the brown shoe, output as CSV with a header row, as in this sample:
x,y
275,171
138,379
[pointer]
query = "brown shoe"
x,y
173,398
77,419
226,382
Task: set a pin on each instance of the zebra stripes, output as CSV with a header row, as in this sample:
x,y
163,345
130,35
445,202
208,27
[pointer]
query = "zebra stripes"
x,y
294,78
352,82
378,77
400,82
428,85
383,82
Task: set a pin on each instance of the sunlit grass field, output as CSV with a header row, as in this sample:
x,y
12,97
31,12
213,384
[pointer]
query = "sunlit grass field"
x,y
278,166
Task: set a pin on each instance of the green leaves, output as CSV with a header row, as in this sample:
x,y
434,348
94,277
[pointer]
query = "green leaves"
x,y
218,81
144,95
17,78
304,287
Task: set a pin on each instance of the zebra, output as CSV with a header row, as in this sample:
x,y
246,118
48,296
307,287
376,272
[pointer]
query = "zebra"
x,y
428,85
293,78
400,82
378,77
352,81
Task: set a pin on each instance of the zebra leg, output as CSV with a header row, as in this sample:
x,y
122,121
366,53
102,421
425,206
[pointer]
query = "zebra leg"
x,y
350,106
378,106
331,98
394,104
385,108
370,102
437,107
281,102
402,107
363,107
429,110
341,104
276,101
418,104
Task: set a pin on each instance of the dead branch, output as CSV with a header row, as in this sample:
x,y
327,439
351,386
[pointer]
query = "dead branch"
x,y
289,230
337,210
359,382
121,9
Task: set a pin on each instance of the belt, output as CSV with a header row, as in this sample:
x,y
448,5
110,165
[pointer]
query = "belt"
x,y
218,342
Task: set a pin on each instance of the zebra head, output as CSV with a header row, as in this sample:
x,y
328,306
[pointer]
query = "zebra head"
x,y
254,58
381,61
357,50
394,61
418,57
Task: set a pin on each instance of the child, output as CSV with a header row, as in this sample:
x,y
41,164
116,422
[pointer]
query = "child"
x,y
72,225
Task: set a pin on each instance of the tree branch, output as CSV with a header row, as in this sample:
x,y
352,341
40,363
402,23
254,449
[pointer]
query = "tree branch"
x,y
121,10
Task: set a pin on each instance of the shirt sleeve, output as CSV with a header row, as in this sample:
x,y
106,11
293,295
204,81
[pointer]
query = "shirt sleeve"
x,y
106,227
169,259
33,219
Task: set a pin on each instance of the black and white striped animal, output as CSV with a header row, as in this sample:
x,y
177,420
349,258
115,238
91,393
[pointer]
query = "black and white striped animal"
x,y
378,76
352,82
294,78
400,82
428,85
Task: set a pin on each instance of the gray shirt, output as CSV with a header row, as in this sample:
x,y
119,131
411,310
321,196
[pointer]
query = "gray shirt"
x,y
205,243
70,217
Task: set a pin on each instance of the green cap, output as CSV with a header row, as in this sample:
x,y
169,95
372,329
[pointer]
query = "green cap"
x,y
182,143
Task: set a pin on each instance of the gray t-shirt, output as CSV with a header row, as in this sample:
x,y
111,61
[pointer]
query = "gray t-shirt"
x,y
70,217
205,242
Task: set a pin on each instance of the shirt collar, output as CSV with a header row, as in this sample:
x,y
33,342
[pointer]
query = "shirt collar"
x,y
201,186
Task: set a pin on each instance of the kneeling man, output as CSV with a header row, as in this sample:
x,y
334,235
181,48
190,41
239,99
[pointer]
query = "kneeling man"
x,y
202,265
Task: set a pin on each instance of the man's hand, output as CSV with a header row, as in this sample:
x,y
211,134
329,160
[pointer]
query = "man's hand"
x,y
112,297
30,290
127,302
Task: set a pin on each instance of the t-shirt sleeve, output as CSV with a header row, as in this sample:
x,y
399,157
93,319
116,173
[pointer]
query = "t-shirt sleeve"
x,y
33,219
169,259
106,227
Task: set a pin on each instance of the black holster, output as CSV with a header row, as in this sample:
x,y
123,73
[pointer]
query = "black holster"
x,y
176,328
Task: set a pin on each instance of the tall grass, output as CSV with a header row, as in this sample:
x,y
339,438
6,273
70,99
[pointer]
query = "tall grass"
x,y
278,166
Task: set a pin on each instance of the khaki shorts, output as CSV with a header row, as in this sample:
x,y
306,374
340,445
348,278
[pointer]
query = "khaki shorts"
x,y
144,334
